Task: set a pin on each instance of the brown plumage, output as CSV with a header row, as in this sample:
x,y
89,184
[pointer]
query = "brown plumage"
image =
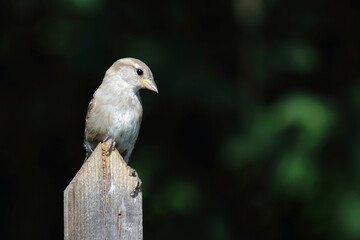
x,y
115,111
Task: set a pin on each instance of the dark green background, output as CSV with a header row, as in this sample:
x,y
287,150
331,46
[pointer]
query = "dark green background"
x,y
254,133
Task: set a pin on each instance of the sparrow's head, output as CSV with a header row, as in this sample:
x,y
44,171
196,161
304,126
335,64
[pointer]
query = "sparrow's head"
x,y
132,73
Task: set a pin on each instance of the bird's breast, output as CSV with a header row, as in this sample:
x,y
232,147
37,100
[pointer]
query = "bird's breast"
x,y
125,127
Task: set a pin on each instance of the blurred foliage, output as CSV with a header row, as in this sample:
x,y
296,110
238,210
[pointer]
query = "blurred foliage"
x,y
254,134
349,215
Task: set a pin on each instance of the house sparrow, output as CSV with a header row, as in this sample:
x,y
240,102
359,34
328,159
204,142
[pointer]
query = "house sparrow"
x,y
115,110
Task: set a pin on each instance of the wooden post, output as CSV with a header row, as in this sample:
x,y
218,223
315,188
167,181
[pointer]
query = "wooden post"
x,y
103,201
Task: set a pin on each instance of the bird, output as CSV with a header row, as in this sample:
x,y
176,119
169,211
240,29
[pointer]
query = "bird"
x,y
115,110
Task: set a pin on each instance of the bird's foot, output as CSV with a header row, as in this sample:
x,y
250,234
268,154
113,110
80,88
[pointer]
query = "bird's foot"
x,y
137,189
111,146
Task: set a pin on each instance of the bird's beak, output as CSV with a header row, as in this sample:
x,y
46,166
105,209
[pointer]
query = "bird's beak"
x,y
149,84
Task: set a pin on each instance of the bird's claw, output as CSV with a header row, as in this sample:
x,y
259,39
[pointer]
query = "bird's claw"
x,y
111,146
137,189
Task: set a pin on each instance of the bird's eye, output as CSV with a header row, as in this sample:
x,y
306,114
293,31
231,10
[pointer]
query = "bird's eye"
x,y
139,72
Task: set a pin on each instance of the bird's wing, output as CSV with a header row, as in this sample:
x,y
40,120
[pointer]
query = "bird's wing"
x,y
90,108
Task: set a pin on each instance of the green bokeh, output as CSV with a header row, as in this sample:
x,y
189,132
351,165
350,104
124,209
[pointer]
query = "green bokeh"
x,y
311,118
296,56
310,114
295,175
349,215
182,197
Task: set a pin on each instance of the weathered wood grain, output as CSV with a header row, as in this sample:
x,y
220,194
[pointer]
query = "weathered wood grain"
x,y
100,202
